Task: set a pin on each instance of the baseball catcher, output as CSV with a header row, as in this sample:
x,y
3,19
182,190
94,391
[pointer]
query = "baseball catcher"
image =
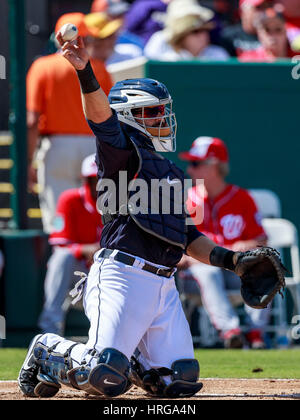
x,y
130,296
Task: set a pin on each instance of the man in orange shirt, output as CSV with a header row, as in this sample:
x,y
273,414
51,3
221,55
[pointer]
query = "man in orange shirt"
x,y
54,112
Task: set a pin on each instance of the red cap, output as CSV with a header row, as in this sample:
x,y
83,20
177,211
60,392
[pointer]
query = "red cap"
x,y
76,19
253,3
204,148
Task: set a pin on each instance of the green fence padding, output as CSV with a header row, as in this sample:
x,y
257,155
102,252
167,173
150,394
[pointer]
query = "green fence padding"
x,y
253,107
26,253
22,287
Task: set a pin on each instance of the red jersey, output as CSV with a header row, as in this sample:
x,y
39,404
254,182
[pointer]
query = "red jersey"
x,y
260,54
230,217
77,220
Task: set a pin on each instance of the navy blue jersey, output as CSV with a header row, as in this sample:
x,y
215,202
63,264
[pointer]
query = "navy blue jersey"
x,y
113,154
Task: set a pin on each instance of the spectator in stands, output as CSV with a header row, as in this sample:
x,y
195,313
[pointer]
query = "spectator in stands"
x,y
225,14
56,116
114,8
75,240
145,17
186,35
228,215
292,15
272,35
226,11
242,37
104,33
127,42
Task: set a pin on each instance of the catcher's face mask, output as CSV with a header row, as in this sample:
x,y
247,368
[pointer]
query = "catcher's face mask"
x,y
146,105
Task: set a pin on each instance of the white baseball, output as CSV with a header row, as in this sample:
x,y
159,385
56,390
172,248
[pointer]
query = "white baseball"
x,y
68,32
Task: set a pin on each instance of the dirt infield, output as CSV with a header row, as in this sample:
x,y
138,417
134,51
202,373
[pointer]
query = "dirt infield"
x,y
213,389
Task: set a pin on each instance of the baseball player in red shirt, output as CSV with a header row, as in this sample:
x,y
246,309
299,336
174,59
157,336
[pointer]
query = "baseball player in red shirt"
x,y
75,239
230,218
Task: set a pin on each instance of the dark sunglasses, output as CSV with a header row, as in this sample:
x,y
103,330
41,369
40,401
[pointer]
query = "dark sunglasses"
x,y
197,163
274,31
198,31
265,5
149,112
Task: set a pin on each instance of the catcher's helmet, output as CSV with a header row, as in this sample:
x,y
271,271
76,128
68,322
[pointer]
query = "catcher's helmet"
x,y
137,101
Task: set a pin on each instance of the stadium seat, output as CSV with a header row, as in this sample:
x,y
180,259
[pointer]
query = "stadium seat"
x,y
282,234
267,201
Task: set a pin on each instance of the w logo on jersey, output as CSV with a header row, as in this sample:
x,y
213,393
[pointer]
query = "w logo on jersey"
x,y
233,226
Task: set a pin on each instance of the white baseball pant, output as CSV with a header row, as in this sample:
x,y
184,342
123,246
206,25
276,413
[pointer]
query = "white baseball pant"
x,y
129,308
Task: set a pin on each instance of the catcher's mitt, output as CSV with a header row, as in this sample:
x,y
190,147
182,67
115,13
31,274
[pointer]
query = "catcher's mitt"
x,y
262,275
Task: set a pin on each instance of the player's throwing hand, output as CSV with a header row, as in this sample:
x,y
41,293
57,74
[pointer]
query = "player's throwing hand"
x,y
74,51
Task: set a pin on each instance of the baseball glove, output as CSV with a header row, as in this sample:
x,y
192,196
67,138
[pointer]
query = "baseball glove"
x,y
262,275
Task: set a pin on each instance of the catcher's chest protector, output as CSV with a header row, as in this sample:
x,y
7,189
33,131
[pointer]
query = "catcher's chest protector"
x,y
167,224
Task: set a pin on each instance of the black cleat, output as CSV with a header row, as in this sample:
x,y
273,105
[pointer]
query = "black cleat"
x,y
27,378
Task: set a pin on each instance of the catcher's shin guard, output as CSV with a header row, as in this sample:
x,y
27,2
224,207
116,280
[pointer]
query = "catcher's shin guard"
x,y
79,376
27,379
184,375
53,369
110,375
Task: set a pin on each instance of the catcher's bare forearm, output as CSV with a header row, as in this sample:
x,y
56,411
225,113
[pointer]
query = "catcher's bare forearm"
x,y
96,106
94,101
206,251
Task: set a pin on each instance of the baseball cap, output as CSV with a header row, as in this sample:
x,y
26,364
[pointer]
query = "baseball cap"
x,y
89,167
253,3
76,19
204,148
100,25
111,7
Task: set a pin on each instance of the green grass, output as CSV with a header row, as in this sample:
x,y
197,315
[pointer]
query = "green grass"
x,y
240,363
213,363
10,362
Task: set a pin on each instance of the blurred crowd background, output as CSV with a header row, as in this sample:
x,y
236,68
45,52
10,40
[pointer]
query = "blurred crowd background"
x,y
252,30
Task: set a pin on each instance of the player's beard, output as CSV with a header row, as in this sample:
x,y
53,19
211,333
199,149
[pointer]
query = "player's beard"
x,y
159,130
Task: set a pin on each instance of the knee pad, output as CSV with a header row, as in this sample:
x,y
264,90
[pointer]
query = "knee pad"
x,y
184,375
110,376
184,379
79,379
